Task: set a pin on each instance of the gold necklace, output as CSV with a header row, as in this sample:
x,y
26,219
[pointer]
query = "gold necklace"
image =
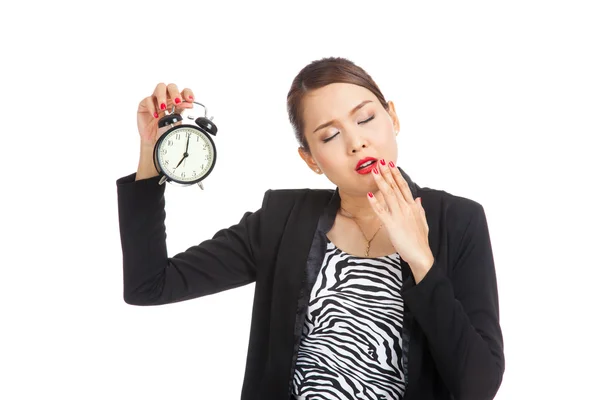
x,y
361,231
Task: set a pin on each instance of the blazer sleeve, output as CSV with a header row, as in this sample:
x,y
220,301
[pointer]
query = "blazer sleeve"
x,y
150,277
459,314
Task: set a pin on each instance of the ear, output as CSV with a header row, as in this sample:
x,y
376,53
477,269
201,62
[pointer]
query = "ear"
x,y
394,116
309,160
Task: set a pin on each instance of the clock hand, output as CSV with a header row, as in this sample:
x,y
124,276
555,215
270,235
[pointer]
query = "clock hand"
x,y
180,161
187,145
185,154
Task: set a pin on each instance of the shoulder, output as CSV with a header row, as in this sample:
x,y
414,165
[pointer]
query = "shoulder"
x,y
455,212
449,202
458,221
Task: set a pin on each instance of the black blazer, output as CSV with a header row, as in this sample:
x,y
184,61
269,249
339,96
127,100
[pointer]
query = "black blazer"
x,y
452,340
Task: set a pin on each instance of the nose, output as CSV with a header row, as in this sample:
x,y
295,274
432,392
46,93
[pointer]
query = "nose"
x,y
355,149
356,142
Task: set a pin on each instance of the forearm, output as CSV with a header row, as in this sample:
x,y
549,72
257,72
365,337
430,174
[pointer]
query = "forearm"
x,y
471,366
146,168
143,239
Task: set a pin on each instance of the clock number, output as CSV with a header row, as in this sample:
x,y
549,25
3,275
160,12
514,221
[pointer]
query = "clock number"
x,y
206,157
194,173
177,136
183,174
170,142
205,146
163,151
188,134
166,162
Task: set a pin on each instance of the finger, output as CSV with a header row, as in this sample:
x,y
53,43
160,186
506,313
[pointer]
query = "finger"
x,y
407,196
187,94
379,208
150,106
173,93
178,99
182,106
386,172
387,191
188,97
160,97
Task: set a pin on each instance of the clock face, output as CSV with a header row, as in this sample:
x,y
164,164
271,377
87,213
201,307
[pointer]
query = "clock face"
x,y
200,154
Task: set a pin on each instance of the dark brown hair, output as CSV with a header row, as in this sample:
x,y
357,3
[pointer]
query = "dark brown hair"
x,y
320,73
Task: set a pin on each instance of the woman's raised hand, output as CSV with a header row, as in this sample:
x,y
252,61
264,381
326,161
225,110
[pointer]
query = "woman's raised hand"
x,y
155,106
405,219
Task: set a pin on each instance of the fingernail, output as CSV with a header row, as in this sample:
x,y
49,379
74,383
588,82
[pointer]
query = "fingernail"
x,y
370,194
375,170
177,100
382,161
391,164
163,106
155,115
191,97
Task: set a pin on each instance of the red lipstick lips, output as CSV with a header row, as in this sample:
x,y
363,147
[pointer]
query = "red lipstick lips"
x,y
367,169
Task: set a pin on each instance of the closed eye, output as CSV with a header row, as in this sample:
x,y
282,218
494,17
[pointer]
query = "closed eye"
x,y
361,122
367,120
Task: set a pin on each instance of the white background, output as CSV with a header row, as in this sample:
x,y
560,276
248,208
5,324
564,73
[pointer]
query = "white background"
x,y
497,102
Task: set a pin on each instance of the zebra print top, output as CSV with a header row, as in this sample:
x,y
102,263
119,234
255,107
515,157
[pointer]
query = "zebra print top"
x,y
351,339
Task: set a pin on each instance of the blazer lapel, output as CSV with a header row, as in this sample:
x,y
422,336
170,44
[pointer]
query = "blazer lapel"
x,y
288,294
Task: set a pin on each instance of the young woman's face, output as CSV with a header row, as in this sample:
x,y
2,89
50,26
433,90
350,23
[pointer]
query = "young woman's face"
x,y
367,132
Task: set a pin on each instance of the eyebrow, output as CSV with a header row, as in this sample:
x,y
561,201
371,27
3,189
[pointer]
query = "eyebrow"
x,y
355,109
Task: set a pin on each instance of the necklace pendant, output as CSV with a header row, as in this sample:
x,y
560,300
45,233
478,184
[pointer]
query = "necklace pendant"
x,y
367,251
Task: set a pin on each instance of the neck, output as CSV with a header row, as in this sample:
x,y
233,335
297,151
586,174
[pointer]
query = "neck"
x,y
357,207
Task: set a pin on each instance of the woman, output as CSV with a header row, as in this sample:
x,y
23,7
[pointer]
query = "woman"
x,y
379,289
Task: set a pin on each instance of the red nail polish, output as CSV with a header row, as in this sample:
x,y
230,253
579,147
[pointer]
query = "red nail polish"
x,y
391,164
375,170
191,97
177,100
155,115
382,161
163,106
370,194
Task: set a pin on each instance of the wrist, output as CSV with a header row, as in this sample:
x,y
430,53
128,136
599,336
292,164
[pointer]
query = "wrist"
x,y
420,269
146,168
146,147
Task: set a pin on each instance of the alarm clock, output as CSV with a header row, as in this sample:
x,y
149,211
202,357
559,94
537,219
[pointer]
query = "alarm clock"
x,y
185,154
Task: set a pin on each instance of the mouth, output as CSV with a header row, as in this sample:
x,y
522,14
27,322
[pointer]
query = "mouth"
x,y
366,165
